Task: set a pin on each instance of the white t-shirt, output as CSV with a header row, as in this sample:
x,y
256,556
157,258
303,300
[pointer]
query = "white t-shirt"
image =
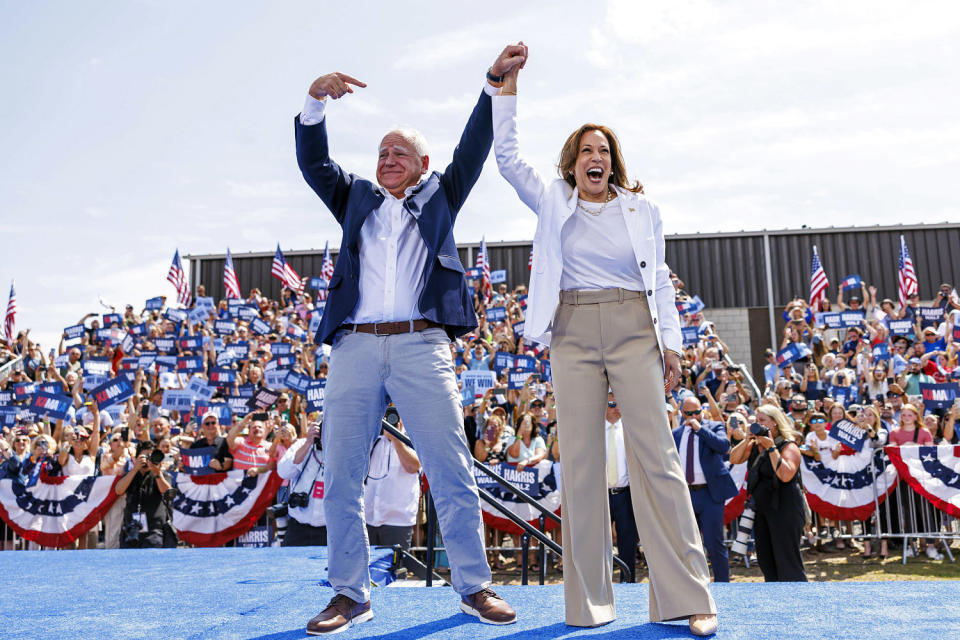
x,y
596,249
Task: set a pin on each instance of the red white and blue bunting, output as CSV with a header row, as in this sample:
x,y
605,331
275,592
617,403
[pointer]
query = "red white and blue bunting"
x,y
210,510
56,510
549,475
844,488
733,507
933,472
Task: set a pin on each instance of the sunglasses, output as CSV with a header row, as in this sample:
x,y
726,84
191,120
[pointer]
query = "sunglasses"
x,y
817,421
208,423
612,405
691,413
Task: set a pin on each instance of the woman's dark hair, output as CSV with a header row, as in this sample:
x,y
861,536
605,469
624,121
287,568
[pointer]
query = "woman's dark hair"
x,y
144,447
534,424
571,149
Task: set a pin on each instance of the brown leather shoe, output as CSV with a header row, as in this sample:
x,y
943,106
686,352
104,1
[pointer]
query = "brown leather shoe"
x,y
489,607
341,614
703,624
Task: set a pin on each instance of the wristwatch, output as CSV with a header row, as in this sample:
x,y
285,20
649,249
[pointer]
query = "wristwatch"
x,y
496,81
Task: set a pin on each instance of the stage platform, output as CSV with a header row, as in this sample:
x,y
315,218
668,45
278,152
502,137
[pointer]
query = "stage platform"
x,y
269,594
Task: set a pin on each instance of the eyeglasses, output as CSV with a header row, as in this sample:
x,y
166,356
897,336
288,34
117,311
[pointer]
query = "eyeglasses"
x,y
612,405
691,413
818,421
209,423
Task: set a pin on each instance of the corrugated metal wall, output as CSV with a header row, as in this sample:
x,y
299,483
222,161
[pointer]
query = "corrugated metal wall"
x,y
726,270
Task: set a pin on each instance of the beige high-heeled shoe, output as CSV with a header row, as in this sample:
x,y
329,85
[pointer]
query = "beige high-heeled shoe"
x,y
703,624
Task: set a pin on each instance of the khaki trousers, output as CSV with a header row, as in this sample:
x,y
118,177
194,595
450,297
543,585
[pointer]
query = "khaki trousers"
x,y
600,339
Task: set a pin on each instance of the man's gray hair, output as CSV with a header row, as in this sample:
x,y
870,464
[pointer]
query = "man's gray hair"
x,y
412,136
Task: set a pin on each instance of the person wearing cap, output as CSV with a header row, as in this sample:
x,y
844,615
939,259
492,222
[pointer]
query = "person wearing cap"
x,y
210,436
855,301
914,376
771,371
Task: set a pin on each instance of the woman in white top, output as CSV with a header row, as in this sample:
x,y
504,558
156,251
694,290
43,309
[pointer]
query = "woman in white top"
x,y
601,298
77,457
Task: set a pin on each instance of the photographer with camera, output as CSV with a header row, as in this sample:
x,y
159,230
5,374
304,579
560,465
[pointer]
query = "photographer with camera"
x,y
302,465
146,518
391,493
774,482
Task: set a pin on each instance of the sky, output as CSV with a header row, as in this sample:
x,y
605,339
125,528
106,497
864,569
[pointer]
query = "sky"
x,y
133,128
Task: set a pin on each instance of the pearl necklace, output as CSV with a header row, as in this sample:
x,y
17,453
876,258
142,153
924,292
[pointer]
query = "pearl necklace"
x,y
610,196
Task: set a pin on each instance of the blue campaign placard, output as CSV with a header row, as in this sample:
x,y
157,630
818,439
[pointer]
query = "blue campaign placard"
x,y
224,327
315,318
165,364
851,283
518,328
502,360
275,379
238,405
850,319
189,364
527,480
248,312
223,375
936,345
221,409
318,283
260,327
938,396
154,304
498,276
23,390
96,366
849,434
112,392
262,399
956,334
225,358
6,397
901,327
315,392
175,315
280,362
694,305
8,416
51,387
547,372
473,272
75,331
240,349
177,400
127,344
165,345
297,381
147,358
496,314
881,351
50,405
526,363
295,332
516,379
112,318
196,462
190,343
245,390
205,303
281,348
930,316
844,395
138,329
691,336
197,316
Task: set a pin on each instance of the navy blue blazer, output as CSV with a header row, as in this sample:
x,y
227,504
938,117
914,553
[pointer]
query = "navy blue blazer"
x,y
714,446
434,203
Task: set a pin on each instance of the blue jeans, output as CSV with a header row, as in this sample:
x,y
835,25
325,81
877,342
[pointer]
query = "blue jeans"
x,y
417,371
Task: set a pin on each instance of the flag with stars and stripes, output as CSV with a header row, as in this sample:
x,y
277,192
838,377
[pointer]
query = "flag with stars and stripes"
x,y
483,262
906,276
843,488
933,472
231,284
178,278
285,273
10,320
326,271
818,281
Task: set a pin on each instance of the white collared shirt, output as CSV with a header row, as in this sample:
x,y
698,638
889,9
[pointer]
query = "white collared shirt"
x,y
391,494
698,477
623,477
310,481
393,255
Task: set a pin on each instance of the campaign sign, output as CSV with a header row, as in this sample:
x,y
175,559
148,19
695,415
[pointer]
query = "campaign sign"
x,y
112,392
75,331
129,364
843,395
240,350
238,406
224,327
881,352
318,283
50,405
901,327
500,275
6,398
175,315
245,390
956,334
275,378
851,283
165,364
165,345
791,353
51,387
849,434
127,344
315,318
196,462
938,396
223,375
154,304
479,381
248,312
147,358
936,345
496,314
297,381
138,329
111,318
473,272
280,348
694,305
518,329
93,380
106,334
189,364
204,303
225,358
23,390
502,360
930,315
260,327
190,343
199,388
96,366
280,362
840,319
197,316
516,379
8,416
315,393
466,397
177,400
691,336
61,361
221,409
255,537
527,480
262,399
547,371
526,363
295,332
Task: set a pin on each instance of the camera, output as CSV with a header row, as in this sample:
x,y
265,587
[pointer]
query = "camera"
x,y
744,530
299,500
131,532
156,456
758,429
392,416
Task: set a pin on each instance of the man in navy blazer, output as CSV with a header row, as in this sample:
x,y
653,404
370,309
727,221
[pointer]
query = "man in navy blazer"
x,y
703,447
397,297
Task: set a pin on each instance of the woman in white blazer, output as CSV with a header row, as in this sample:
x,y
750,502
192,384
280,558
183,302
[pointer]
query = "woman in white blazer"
x,y
601,298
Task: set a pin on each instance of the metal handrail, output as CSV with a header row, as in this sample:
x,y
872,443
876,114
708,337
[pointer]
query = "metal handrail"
x,y
8,368
746,374
496,504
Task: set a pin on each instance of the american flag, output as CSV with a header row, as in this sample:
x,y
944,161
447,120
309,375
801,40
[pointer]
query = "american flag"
x,y
285,273
326,271
230,282
818,282
483,261
907,276
530,260
9,321
178,278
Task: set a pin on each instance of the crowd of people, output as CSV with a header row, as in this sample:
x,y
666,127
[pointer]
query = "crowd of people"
x,y
868,373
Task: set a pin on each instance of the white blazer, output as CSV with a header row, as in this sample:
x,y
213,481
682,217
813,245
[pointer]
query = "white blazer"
x,y
554,202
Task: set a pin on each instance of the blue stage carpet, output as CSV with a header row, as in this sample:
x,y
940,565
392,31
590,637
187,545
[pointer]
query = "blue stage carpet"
x,y
269,594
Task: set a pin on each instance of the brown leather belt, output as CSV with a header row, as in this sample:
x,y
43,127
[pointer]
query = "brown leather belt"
x,y
392,328
696,487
